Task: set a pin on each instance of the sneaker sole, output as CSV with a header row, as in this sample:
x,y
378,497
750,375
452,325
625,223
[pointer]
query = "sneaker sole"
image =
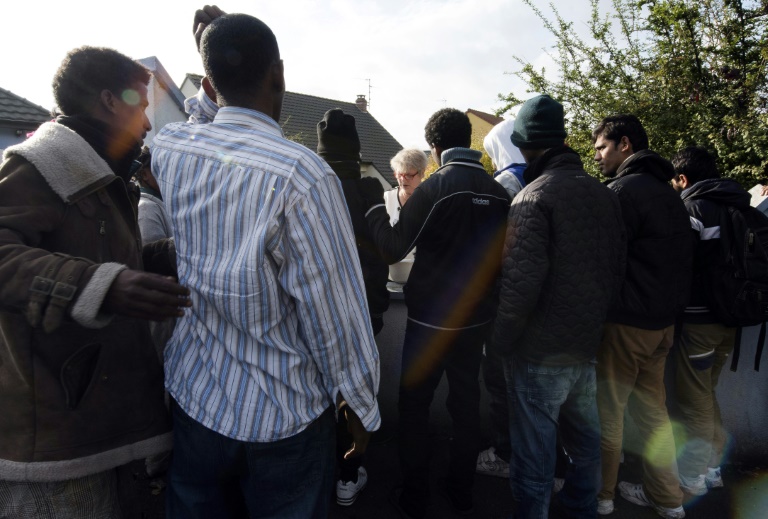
x,y
350,500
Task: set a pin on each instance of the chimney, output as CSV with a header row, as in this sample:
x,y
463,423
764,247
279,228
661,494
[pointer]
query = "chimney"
x,y
361,103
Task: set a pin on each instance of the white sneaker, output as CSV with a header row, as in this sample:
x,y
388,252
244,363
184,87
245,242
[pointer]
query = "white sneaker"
x,y
347,491
713,478
604,506
489,464
634,494
696,486
557,485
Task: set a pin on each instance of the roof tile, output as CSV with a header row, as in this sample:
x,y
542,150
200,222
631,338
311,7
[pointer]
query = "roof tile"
x,y
16,109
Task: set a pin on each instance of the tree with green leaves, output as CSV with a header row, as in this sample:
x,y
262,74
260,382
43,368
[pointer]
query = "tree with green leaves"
x,y
694,72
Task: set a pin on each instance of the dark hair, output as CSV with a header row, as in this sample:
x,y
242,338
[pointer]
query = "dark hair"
x,y
237,51
87,71
696,163
142,161
448,128
615,127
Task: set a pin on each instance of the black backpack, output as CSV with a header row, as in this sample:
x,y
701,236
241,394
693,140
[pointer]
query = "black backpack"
x,y
740,280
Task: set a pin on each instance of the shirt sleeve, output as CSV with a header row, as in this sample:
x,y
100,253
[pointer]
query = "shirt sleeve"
x,y
324,277
200,108
152,223
395,242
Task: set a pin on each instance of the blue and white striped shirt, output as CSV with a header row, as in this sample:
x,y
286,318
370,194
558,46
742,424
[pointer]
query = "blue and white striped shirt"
x,y
279,323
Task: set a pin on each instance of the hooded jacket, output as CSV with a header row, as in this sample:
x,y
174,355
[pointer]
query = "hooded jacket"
x,y
659,244
705,201
506,156
80,391
562,265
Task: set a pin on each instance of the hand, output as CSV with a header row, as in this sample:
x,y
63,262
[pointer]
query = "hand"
x,y
371,191
146,296
764,191
203,17
360,437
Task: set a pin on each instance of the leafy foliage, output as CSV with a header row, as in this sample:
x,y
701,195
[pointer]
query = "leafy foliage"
x,y
695,72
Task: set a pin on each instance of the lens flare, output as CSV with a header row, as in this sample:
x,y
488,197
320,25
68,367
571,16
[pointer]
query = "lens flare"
x,y
660,447
131,97
751,497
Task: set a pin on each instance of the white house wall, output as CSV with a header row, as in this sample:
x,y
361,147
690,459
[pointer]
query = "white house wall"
x,y
162,109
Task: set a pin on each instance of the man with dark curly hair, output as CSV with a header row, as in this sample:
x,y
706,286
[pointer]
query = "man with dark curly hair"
x,y
81,387
456,219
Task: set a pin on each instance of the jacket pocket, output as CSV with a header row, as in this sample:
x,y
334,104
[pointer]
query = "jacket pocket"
x,y
77,373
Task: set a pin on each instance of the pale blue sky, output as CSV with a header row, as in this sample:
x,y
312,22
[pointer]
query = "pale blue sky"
x,y
420,55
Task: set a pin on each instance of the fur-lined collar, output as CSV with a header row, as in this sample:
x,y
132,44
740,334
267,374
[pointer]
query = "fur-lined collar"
x,y
66,161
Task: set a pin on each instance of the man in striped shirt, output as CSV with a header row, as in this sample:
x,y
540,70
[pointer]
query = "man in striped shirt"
x,y
280,328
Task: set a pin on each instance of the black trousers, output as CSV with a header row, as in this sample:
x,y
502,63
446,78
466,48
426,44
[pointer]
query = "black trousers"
x,y
427,354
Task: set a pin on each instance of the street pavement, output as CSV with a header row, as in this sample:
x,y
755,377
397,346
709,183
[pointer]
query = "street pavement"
x,y
745,495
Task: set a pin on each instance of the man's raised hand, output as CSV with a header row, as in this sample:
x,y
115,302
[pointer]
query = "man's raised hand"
x,y
203,17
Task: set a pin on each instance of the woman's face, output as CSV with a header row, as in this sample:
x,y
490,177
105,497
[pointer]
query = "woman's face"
x,y
409,180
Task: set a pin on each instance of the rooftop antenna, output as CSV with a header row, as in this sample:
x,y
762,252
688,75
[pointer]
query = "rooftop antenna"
x,y
369,92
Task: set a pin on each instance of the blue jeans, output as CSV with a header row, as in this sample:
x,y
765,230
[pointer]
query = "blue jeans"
x,y
543,400
215,477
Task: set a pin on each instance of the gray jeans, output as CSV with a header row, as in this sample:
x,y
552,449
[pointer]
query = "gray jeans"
x,y
89,497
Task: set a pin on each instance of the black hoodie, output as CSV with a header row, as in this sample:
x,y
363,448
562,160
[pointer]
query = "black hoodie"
x,y
704,201
659,244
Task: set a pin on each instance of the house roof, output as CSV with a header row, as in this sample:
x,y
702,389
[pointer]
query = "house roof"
x,y
489,118
16,109
302,112
164,79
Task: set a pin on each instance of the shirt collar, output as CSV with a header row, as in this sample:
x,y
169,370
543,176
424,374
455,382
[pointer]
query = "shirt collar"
x,y
247,117
457,153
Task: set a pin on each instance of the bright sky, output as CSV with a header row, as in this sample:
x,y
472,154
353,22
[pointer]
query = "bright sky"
x,y
420,55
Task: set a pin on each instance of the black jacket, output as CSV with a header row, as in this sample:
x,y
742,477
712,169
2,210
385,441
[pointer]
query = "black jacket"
x,y
375,269
563,261
659,244
705,201
456,219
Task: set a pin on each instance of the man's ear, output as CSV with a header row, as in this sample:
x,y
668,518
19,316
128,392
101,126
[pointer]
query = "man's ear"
x,y
108,100
625,145
277,73
683,181
208,88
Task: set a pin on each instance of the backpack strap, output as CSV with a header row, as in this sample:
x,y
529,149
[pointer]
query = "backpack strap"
x,y
760,345
736,349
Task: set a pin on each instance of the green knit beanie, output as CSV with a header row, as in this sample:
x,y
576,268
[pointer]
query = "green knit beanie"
x,y
540,124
